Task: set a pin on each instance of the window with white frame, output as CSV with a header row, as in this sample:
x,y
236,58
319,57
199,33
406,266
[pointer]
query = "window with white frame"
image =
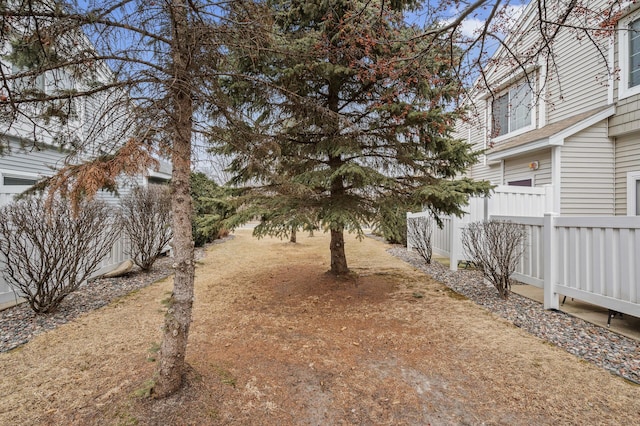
x,y
15,182
629,56
633,193
511,111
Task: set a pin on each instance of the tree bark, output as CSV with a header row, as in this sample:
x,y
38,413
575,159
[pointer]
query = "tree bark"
x,y
294,233
338,256
169,373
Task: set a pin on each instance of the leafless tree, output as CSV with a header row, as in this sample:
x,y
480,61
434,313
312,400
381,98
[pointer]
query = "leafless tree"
x,y
419,231
496,248
49,252
146,220
153,68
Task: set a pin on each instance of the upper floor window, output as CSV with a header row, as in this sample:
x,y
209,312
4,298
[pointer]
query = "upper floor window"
x,y
26,84
629,56
511,111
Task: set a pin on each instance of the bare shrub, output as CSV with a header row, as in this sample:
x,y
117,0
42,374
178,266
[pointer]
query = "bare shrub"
x,y
419,230
146,220
496,248
49,252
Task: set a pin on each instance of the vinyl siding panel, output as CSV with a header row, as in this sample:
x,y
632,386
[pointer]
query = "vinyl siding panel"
x,y
627,160
588,173
578,82
38,160
474,131
627,117
518,168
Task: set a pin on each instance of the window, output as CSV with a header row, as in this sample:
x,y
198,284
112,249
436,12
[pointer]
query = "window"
x,y
633,193
511,111
523,182
629,56
16,181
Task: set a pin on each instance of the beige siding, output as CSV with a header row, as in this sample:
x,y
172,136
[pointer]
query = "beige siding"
x,y
518,168
627,117
627,160
578,80
588,173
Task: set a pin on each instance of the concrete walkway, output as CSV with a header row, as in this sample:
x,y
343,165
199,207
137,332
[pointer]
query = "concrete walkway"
x,y
626,325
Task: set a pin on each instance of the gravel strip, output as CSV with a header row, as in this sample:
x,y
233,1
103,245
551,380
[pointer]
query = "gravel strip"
x,y
20,324
604,348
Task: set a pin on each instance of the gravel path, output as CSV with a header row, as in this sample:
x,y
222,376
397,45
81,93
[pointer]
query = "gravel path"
x,y
602,347
19,324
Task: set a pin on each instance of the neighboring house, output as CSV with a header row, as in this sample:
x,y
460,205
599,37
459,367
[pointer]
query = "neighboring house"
x,y
27,161
571,121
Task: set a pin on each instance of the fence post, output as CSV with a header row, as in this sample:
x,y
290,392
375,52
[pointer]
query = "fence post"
x,y
409,245
456,242
550,261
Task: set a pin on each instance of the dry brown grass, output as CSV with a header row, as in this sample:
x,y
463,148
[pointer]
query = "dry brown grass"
x,y
275,340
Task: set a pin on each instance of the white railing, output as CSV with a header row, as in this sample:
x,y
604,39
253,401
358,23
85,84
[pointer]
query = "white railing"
x,y
505,200
593,259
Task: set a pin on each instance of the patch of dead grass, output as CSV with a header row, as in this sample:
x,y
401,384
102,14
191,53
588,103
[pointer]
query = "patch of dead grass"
x,y
275,340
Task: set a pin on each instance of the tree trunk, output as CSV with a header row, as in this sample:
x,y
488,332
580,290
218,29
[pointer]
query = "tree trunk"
x,y
170,367
338,256
293,238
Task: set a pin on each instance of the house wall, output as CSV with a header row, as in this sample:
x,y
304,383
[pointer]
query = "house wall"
x,y
474,131
627,155
577,82
588,176
627,117
518,168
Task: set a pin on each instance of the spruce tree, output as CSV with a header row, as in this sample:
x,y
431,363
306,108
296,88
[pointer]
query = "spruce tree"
x,y
349,109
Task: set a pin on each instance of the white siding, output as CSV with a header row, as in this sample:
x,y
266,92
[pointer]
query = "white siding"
x,y
588,173
627,160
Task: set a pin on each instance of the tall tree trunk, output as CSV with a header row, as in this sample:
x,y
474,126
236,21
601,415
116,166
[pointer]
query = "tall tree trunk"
x,y
294,232
338,256
170,368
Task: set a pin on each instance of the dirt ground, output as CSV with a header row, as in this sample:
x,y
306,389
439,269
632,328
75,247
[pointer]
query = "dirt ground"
x,y
277,341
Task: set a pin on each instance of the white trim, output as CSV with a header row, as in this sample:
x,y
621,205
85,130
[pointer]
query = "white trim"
x,y
558,138
554,140
517,150
542,95
556,177
632,178
611,78
16,189
624,91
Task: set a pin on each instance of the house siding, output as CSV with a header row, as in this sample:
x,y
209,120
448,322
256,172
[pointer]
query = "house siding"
x,y
588,176
571,90
627,117
627,154
518,168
